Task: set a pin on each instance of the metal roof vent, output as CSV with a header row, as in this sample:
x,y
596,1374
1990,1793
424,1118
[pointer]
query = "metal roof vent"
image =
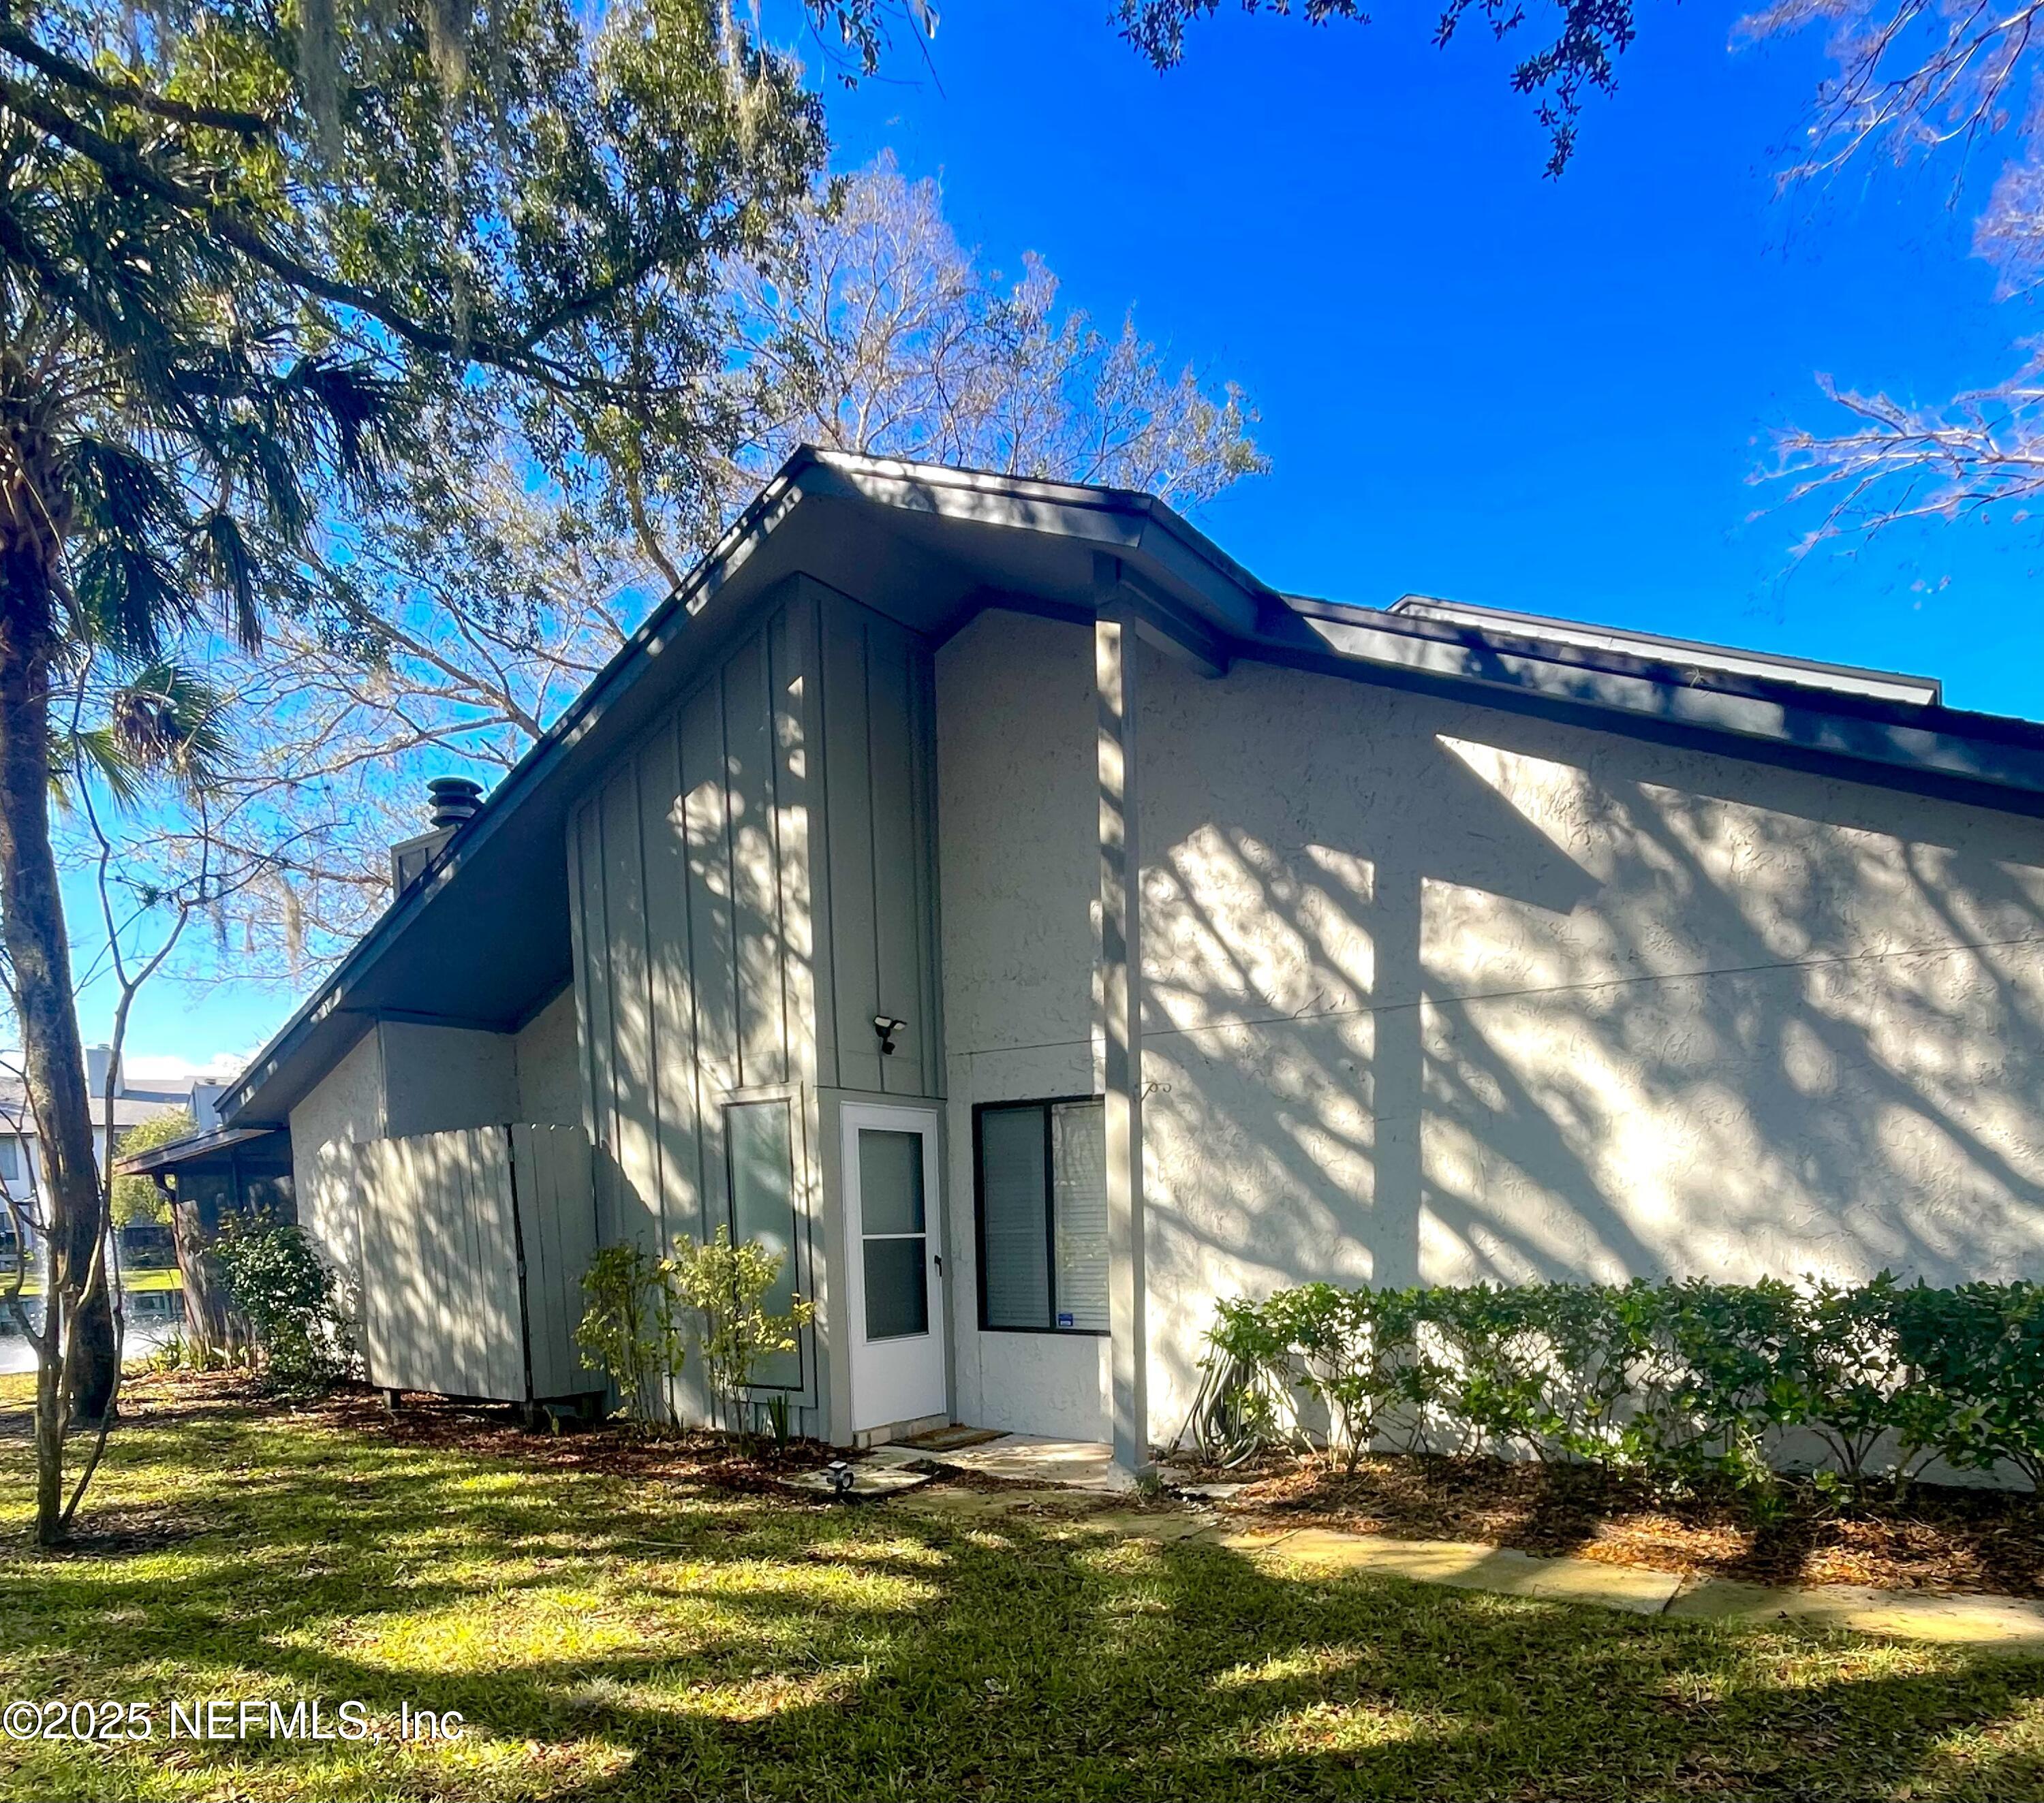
x,y
453,800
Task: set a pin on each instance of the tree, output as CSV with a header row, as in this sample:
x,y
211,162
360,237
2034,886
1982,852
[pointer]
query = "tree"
x,y
1919,82
488,605
250,261
137,1198
1588,37
1910,82
885,336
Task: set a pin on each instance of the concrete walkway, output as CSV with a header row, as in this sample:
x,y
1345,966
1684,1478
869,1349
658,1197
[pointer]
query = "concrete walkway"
x,y
1027,1458
2005,1623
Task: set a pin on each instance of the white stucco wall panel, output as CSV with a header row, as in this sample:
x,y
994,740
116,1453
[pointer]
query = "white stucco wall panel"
x,y
1437,993
439,1078
548,1057
1019,906
1434,992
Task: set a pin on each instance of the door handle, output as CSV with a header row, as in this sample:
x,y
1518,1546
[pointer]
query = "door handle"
x,y
940,1258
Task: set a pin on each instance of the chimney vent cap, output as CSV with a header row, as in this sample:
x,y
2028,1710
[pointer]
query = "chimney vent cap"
x,y
453,799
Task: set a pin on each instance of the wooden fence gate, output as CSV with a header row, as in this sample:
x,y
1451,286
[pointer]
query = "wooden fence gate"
x,y
473,1245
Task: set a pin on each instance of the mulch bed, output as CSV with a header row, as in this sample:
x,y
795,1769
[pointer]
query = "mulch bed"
x,y
1936,1538
497,1430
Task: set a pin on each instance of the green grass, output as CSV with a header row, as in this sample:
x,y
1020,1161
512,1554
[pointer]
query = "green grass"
x,y
132,1280
606,1636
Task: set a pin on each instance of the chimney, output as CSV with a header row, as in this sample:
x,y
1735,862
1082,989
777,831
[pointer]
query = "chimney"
x,y
97,1059
451,802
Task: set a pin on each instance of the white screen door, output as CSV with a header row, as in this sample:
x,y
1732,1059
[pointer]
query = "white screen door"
x,y
893,1281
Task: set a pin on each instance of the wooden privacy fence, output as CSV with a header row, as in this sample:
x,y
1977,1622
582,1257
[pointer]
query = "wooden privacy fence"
x,y
473,1245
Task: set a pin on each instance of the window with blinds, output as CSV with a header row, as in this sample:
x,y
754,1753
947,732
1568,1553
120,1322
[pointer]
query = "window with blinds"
x,y
1042,1204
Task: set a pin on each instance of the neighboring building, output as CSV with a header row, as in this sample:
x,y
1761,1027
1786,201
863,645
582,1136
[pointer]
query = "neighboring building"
x,y
134,1100
992,894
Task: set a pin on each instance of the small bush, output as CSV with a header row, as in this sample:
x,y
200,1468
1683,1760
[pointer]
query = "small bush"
x,y
1679,1382
727,1285
642,1310
631,1328
290,1299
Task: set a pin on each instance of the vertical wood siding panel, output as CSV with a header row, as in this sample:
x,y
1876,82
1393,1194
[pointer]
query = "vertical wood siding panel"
x,y
704,799
673,992
854,977
787,685
922,750
598,1045
623,879
807,616
667,1027
897,862
749,758
578,947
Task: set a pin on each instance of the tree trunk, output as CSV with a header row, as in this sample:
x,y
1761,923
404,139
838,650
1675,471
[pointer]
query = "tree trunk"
x,y
32,925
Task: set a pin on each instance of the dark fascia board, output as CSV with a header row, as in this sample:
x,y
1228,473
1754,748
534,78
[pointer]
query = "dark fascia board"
x,y
1113,518
1985,749
665,622
193,1145
1722,662
1184,577
1119,522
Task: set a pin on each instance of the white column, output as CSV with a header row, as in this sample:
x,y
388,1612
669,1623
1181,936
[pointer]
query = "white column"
x,y
1121,977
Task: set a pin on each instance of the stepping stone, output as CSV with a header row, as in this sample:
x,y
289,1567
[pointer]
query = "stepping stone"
x,y
2007,1622
1475,1568
884,1482
1131,1525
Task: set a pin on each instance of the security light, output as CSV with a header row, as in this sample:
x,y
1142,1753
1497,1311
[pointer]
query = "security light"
x,y
887,1026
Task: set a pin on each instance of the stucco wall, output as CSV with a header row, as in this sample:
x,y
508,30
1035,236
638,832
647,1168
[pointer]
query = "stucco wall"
x,y
437,1078
346,1104
1018,889
548,1065
1434,992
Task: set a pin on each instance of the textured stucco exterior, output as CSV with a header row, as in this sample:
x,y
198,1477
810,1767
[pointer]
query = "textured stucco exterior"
x,y
1019,901
1436,993
438,1078
346,1104
548,1065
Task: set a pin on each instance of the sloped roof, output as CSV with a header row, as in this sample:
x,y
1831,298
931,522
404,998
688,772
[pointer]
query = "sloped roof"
x,y
482,938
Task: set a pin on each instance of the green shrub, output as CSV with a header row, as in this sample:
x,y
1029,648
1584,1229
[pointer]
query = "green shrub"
x,y
1679,1382
727,1285
642,1310
290,1299
631,1328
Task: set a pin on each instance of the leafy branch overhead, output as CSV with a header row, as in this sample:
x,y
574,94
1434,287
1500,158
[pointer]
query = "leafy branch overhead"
x,y
1581,56
256,265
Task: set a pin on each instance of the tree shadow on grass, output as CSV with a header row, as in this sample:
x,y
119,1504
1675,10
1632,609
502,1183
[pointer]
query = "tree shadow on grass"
x,y
607,1642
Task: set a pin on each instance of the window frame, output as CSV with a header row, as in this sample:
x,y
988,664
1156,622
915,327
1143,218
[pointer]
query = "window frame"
x,y
1043,1104
800,1392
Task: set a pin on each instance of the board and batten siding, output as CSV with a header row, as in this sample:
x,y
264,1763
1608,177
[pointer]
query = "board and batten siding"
x,y
689,889
749,885
879,829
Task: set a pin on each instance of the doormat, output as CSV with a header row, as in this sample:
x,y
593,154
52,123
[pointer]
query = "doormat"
x,y
953,1439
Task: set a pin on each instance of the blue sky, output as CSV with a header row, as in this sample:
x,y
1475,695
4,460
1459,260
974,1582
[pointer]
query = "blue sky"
x,y
1474,382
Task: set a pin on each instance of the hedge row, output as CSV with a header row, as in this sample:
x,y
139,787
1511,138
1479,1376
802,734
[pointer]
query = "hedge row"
x,y
1674,1382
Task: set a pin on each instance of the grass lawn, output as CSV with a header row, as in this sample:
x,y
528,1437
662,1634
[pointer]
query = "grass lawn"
x,y
132,1280
609,1633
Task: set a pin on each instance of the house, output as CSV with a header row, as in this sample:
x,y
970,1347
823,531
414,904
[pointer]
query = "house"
x,y
991,894
136,1099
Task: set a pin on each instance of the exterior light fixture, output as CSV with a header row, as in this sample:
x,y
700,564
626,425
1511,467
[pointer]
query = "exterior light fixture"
x,y
887,1026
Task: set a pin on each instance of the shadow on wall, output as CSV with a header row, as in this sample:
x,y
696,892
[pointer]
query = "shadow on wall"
x,y
1438,994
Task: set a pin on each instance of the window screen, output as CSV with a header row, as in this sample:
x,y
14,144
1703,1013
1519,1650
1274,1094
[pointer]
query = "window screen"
x,y
1042,1217
763,1208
